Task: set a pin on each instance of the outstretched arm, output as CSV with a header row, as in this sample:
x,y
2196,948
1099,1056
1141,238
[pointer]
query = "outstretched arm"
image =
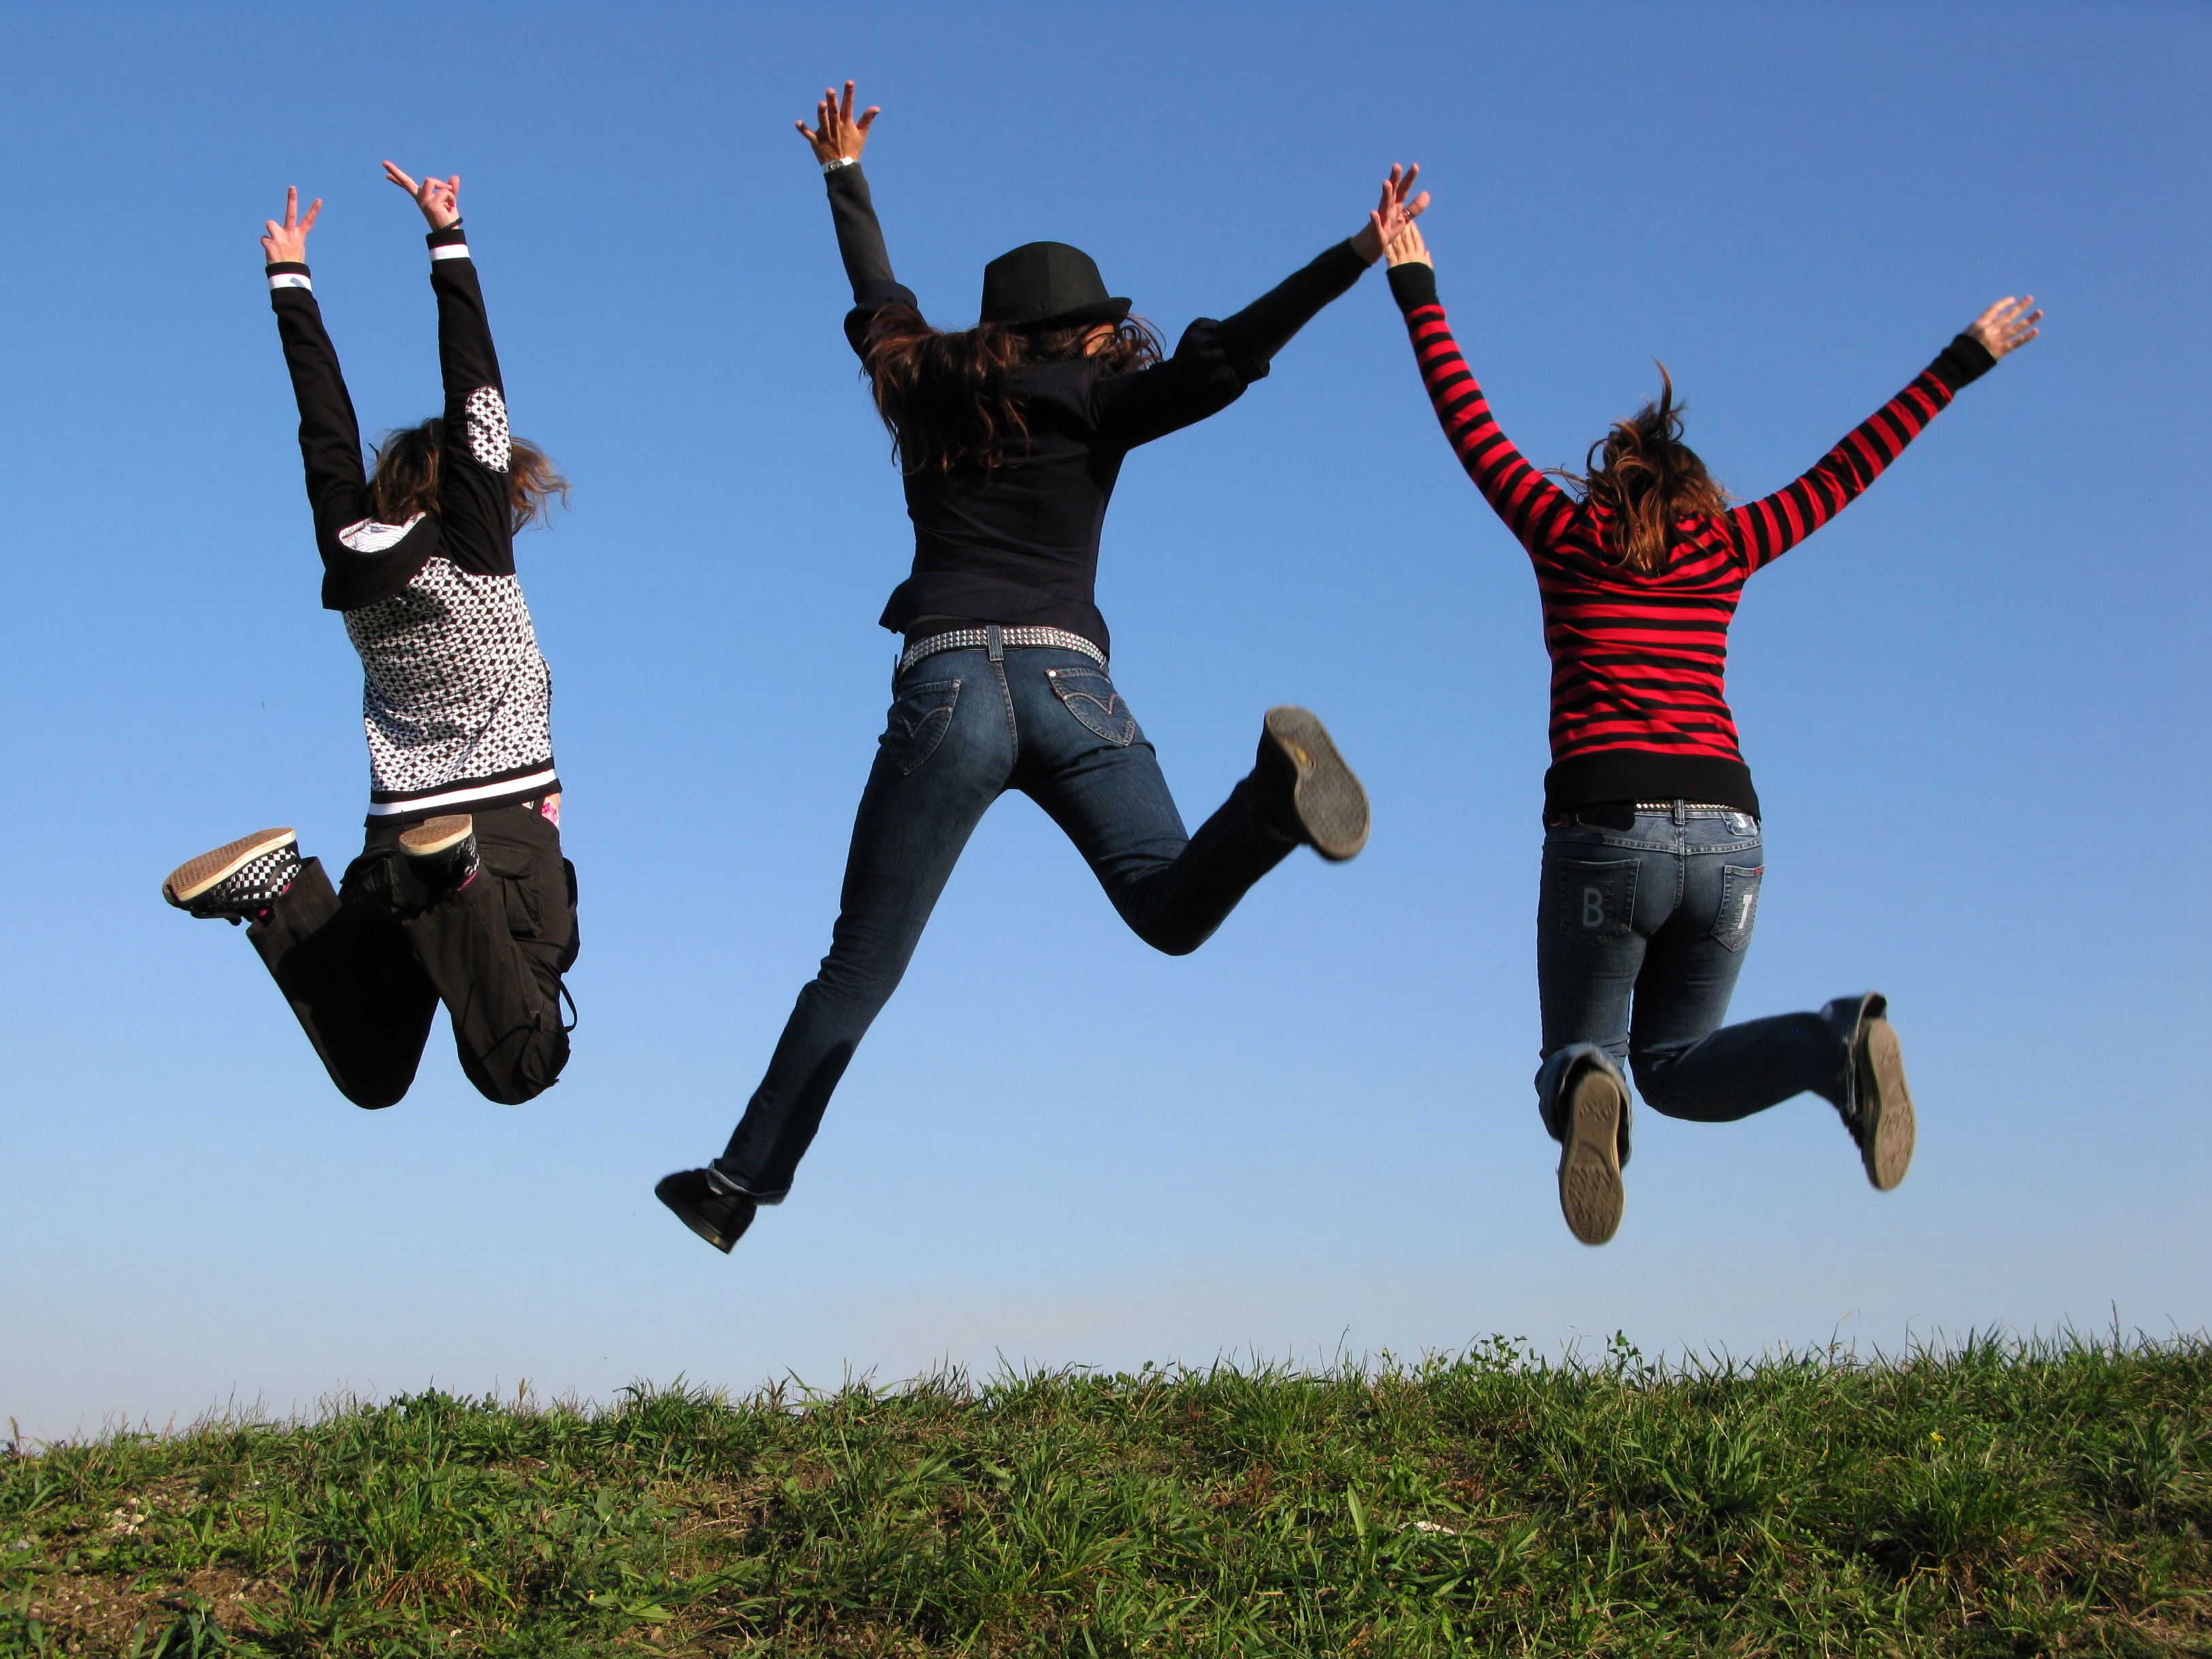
x,y
330,435
1265,327
838,139
475,511
1768,528
1214,362
1534,507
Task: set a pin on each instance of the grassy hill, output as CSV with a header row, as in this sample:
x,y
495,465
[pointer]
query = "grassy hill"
x,y
2001,1498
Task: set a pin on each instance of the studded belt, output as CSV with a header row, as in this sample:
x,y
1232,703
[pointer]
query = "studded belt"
x,y
1689,806
967,639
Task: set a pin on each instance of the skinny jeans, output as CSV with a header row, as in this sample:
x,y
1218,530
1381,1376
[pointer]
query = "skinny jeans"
x,y
1641,931
365,968
964,727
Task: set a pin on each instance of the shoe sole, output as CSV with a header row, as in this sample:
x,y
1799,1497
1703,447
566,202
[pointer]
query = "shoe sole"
x,y
691,1219
1891,1128
1591,1196
1327,798
189,879
434,835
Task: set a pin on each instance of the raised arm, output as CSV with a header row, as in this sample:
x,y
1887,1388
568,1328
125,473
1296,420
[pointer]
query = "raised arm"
x,y
475,506
330,435
1533,506
1768,528
1214,362
838,139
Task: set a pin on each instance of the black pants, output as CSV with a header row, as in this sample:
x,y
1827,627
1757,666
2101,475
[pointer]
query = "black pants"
x,y
365,968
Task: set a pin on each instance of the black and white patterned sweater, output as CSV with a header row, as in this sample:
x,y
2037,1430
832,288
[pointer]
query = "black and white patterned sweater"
x,y
457,700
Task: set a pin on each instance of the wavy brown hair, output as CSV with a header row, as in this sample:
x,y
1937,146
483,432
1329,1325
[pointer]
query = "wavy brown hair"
x,y
943,397
1648,480
405,480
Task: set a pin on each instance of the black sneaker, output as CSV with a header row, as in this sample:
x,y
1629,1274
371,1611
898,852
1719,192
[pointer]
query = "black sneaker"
x,y
1302,787
709,1207
1879,1115
1592,1118
238,881
442,852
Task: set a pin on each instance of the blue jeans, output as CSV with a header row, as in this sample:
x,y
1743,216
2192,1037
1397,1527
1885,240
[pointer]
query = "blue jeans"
x,y
964,727
1640,933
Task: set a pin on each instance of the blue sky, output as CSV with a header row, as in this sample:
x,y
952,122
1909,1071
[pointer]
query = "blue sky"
x,y
1972,705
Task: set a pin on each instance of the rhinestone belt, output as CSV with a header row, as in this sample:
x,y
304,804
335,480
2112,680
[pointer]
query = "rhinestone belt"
x,y
1689,806
965,639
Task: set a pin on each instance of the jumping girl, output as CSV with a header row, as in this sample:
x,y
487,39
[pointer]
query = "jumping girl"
x,y
1652,855
461,893
1010,435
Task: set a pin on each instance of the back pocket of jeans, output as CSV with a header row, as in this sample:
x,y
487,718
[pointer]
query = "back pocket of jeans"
x,y
1594,901
918,722
1089,696
1739,911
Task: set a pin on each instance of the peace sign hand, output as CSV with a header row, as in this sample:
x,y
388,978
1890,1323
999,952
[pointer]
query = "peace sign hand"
x,y
287,244
439,199
837,134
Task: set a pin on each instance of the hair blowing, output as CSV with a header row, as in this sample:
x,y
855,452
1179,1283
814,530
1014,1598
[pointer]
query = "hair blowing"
x,y
1647,480
943,397
405,481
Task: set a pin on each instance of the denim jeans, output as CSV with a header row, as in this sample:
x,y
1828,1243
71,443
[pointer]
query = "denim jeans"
x,y
965,726
1640,933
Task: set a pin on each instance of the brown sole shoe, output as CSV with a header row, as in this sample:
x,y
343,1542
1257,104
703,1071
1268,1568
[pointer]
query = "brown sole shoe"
x,y
1887,1127
1591,1195
434,835
1328,800
194,876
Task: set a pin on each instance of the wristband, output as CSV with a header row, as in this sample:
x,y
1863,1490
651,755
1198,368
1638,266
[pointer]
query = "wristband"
x,y
829,167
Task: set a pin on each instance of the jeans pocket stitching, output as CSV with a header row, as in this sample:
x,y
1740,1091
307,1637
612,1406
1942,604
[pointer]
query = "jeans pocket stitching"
x,y
1113,720
910,743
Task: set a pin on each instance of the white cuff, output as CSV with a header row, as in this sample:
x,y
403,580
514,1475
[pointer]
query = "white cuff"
x,y
829,167
449,251
291,279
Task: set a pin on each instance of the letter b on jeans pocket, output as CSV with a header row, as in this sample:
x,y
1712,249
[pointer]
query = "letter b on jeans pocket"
x,y
918,722
1591,899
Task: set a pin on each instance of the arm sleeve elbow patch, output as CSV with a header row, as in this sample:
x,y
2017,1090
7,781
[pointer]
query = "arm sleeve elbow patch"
x,y
488,439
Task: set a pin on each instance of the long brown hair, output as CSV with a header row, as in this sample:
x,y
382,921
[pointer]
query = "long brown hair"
x,y
405,480
1647,480
943,397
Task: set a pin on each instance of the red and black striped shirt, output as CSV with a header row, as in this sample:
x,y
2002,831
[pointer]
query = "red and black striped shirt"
x,y
1639,711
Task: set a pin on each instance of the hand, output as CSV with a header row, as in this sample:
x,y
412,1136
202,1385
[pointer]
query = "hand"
x,y
1406,248
1394,214
838,136
287,244
2007,325
439,199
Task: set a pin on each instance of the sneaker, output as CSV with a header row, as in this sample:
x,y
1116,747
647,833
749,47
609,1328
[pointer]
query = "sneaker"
x,y
443,852
1592,1117
1879,1115
238,881
1304,788
710,1208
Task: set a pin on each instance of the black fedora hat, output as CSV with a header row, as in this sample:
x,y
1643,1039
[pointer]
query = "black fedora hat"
x,y
1047,282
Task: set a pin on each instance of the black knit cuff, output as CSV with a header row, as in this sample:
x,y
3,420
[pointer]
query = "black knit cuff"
x,y
1961,362
1413,285
449,236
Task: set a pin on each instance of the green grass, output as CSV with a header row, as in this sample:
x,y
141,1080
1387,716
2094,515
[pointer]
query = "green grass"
x,y
1999,1499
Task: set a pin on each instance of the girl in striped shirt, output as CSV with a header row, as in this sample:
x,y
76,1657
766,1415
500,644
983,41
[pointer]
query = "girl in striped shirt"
x,y
1652,856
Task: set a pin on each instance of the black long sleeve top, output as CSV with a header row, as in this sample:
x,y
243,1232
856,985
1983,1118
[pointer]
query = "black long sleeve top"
x,y
1020,543
457,699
